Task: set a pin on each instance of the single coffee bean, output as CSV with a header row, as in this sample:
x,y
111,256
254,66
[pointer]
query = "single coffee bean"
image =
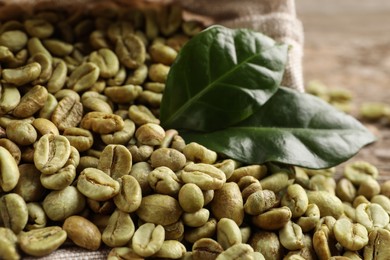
x,y
352,236
208,230
131,51
31,102
345,190
206,248
257,171
115,161
61,204
168,157
228,203
68,113
260,201
22,75
9,99
130,194
123,136
82,232
83,77
171,249
140,114
148,239
199,154
107,62
29,186
196,219
156,205
14,40
102,123
22,133
377,247
43,241
328,204
13,212
51,153
36,216
119,230
296,199
191,198
291,236
228,233
360,171
9,172
206,176
97,185
273,219
238,251
150,134
267,243
371,215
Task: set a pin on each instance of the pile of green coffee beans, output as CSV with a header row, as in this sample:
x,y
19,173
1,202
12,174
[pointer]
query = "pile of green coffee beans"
x,y
84,161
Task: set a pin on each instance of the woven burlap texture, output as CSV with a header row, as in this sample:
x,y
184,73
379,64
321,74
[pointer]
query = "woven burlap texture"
x,y
275,18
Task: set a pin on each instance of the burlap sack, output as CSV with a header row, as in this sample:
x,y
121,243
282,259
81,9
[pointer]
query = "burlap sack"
x,y
275,18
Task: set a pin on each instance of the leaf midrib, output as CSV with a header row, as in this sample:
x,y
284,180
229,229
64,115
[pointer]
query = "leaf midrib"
x,y
193,99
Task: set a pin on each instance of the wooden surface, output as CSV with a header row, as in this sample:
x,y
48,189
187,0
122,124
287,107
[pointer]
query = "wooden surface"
x,y
347,45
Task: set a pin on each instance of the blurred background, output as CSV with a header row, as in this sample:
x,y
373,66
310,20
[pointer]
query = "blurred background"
x,y
347,45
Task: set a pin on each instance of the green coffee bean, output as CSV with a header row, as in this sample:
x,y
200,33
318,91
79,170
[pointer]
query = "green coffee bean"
x,y
22,75
119,230
13,212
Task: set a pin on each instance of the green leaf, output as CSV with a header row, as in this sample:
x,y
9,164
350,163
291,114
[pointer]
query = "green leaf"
x,y
220,77
291,128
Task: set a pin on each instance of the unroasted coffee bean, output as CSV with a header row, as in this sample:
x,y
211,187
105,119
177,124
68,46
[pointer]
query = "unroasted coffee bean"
x,y
360,171
228,233
296,199
291,236
51,153
9,99
199,154
130,51
82,232
238,251
345,190
130,194
123,94
276,181
79,138
102,123
122,136
140,114
260,201
12,148
157,205
107,62
97,185
371,215
61,204
13,212
29,186
328,204
377,247
191,198
14,40
150,134
206,248
46,67
31,102
369,188
83,77
9,172
164,181
148,239
256,171
115,161
168,157
8,248
352,236
273,219
68,113
197,218
383,201
22,133
43,241
171,249
36,216
22,75
206,176
45,126
174,231
267,243
119,230
208,230
228,203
